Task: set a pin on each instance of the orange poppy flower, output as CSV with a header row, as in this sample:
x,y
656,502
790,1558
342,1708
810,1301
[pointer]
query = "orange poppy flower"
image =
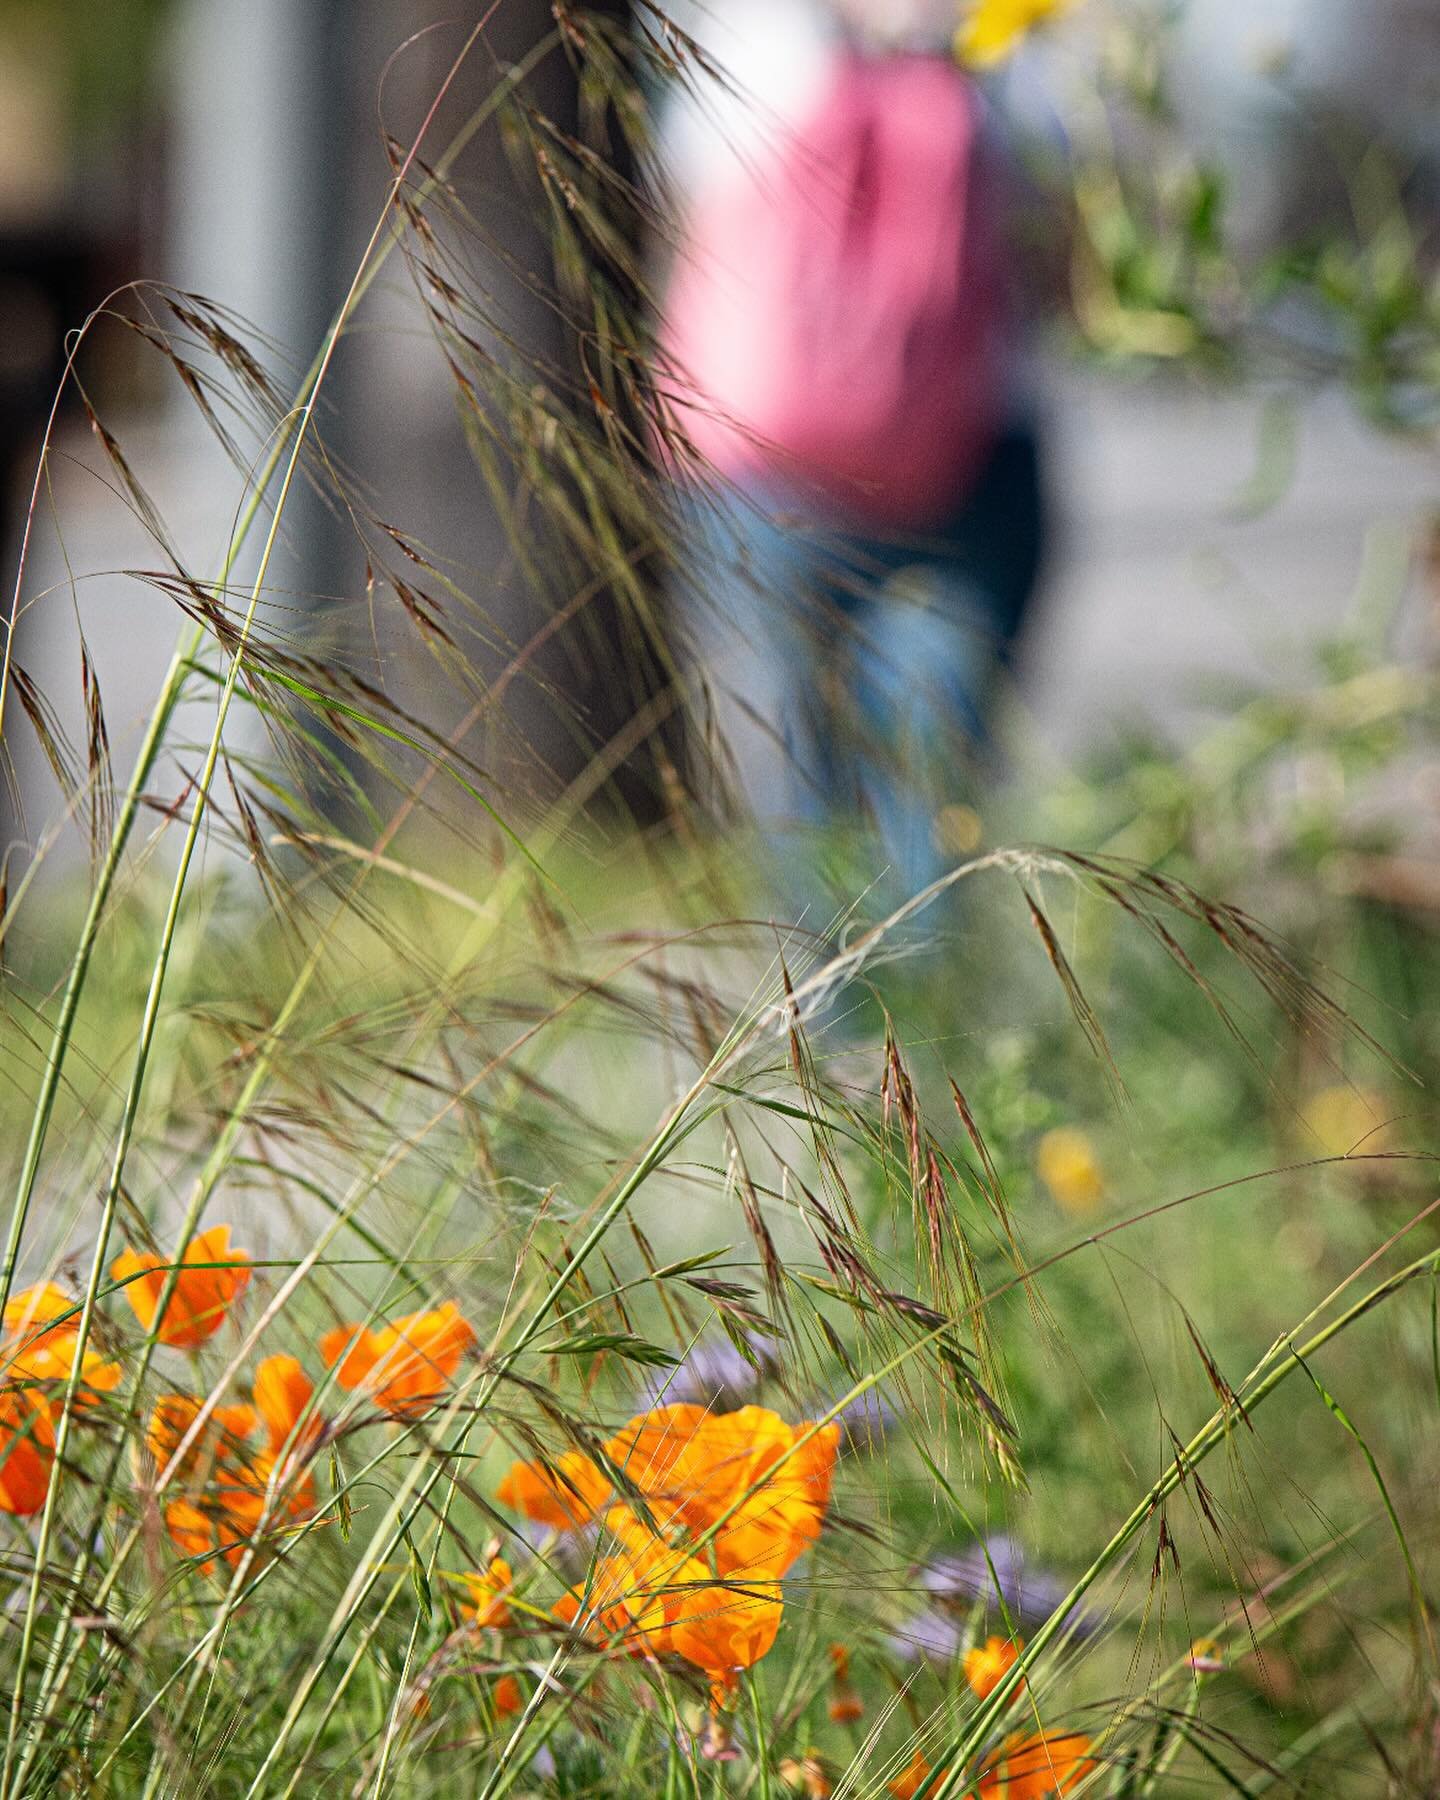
x,y
987,1664
219,1506
27,1450
1037,1767
694,1466
601,1607
404,1367
912,1780
488,1593
636,1594
229,1488
566,1492
220,1441
507,1697
212,1278
42,1333
648,1448
846,1705
782,1518
569,1490
282,1392
659,1576
724,1629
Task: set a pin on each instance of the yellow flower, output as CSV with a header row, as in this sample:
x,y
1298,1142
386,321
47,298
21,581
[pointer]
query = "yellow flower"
x,y
1070,1169
993,28
1207,1657
489,1592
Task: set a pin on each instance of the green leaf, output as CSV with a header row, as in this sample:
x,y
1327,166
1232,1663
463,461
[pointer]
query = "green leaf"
x,y
419,1580
342,1497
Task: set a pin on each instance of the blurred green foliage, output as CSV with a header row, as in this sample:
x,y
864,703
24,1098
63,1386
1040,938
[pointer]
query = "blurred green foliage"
x,y
103,52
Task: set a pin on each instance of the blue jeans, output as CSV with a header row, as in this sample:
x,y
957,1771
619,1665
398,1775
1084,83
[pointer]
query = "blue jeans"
x,y
850,674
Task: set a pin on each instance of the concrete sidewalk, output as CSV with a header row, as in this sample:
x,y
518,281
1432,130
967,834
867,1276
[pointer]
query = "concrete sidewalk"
x,y
1170,583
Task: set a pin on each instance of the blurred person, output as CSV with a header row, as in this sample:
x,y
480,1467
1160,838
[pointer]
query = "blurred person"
x,y
843,353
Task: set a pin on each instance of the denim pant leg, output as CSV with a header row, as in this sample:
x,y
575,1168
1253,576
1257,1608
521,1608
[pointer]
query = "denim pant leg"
x,y
746,606
925,657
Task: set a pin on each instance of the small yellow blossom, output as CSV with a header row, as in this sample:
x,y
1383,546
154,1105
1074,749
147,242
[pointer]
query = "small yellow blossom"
x,y
1346,1119
1207,1657
489,1592
992,29
1069,1167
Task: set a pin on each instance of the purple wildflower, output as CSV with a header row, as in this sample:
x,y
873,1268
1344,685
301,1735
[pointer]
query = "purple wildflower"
x,y
996,1569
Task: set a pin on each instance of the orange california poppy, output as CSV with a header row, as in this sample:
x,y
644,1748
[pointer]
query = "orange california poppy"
x,y
987,1664
404,1367
807,1775
507,1697
42,1334
489,1591
635,1594
781,1519
659,1577
212,1278
912,1780
600,1607
230,1487
648,1448
724,1629
282,1392
565,1492
27,1450
1037,1767
222,1438
698,1468
218,1505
